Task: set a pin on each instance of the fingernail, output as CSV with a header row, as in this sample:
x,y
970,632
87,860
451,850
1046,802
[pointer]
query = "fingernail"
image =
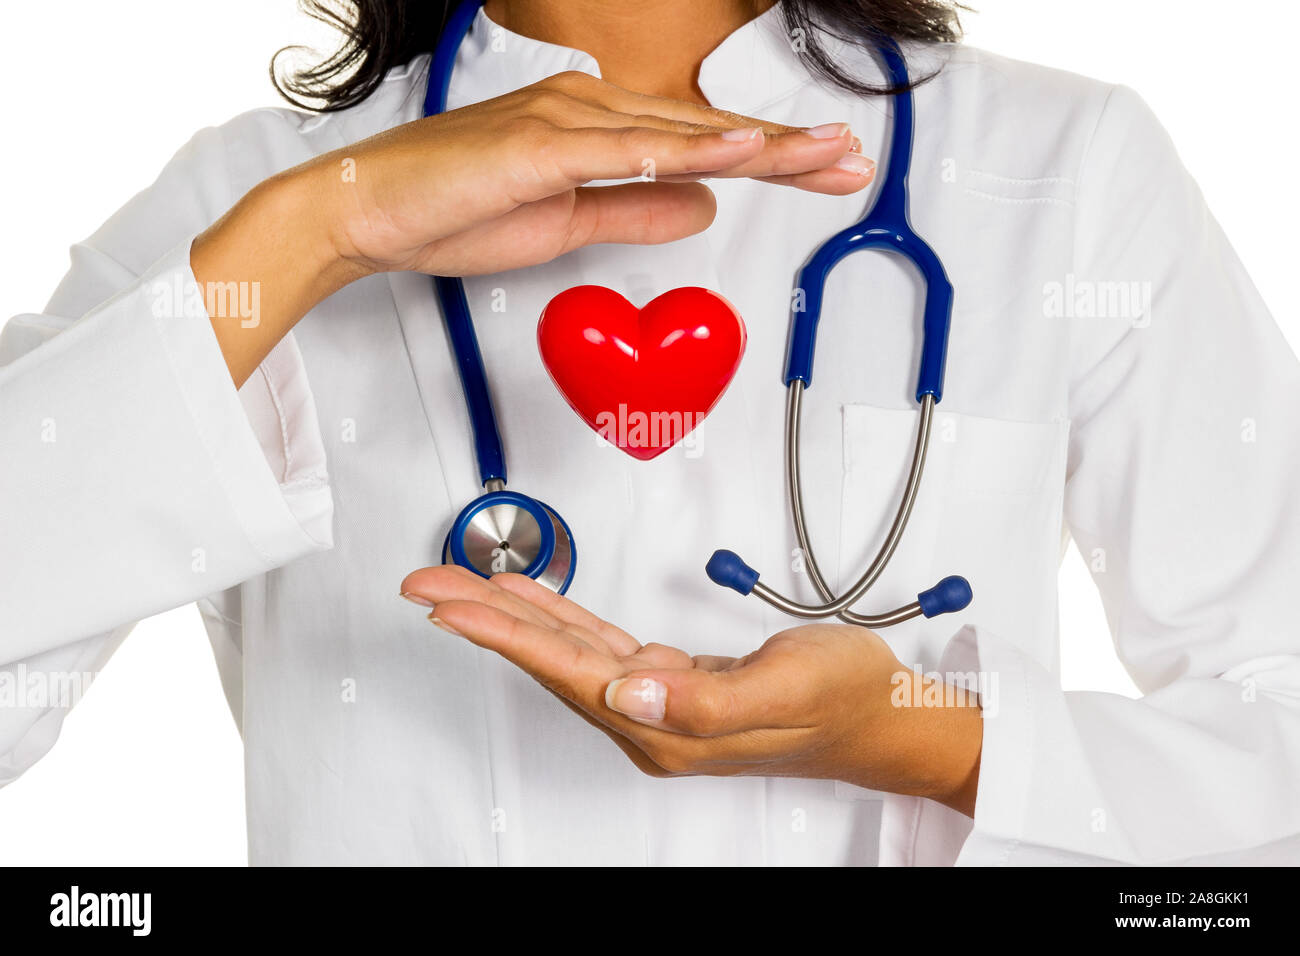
x,y
416,599
439,622
828,131
854,163
741,135
637,697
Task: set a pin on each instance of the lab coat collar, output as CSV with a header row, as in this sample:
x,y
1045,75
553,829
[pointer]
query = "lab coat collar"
x,y
493,61
754,66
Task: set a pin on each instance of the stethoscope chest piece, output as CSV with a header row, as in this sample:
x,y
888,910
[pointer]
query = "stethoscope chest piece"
x,y
503,531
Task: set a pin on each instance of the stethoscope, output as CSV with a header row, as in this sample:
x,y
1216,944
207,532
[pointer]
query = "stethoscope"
x,y
500,530
506,531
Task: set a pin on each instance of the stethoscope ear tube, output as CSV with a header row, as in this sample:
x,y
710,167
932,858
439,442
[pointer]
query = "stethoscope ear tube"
x,y
885,227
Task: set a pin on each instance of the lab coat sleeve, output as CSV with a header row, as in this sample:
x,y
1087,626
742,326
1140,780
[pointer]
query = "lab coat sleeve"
x,y
1182,496
135,477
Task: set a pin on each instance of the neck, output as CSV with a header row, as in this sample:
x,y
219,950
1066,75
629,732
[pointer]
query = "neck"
x,y
649,46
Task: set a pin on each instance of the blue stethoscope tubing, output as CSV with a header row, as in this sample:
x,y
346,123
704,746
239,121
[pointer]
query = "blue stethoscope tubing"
x,y
500,530
885,227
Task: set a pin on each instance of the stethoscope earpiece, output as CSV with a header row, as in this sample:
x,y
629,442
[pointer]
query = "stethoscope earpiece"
x,y
953,593
726,569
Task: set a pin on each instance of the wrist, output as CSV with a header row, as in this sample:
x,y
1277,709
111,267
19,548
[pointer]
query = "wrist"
x,y
927,744
278,237
950,740
297,210
271,250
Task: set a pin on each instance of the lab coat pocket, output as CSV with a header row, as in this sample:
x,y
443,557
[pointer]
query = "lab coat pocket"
x,y
988,509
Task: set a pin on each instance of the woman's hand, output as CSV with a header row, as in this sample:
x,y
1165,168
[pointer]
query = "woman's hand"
x,y
501,184
814,701
494,186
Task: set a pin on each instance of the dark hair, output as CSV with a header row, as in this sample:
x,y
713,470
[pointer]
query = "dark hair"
x,y
379,35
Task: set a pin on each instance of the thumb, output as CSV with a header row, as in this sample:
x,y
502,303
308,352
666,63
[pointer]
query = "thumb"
x,y
640,213
707,703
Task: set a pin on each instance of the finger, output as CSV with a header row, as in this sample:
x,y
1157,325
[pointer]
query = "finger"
x,y
850,174
623,107
624,101
565,158
554,658
833,164
656,656
790,154
577,113
569,612
832,147
584,117
574,157
450,582
467,586
701,703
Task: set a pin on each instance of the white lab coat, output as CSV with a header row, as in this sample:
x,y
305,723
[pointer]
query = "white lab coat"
x,y
1162,437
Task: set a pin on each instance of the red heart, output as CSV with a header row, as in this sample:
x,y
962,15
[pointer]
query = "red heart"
x,y
641,378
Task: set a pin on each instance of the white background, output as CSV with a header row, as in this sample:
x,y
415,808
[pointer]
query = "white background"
x,y
99,95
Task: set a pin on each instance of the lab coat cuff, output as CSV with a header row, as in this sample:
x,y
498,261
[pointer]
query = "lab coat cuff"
x,y
920,832
264,441
1008,679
